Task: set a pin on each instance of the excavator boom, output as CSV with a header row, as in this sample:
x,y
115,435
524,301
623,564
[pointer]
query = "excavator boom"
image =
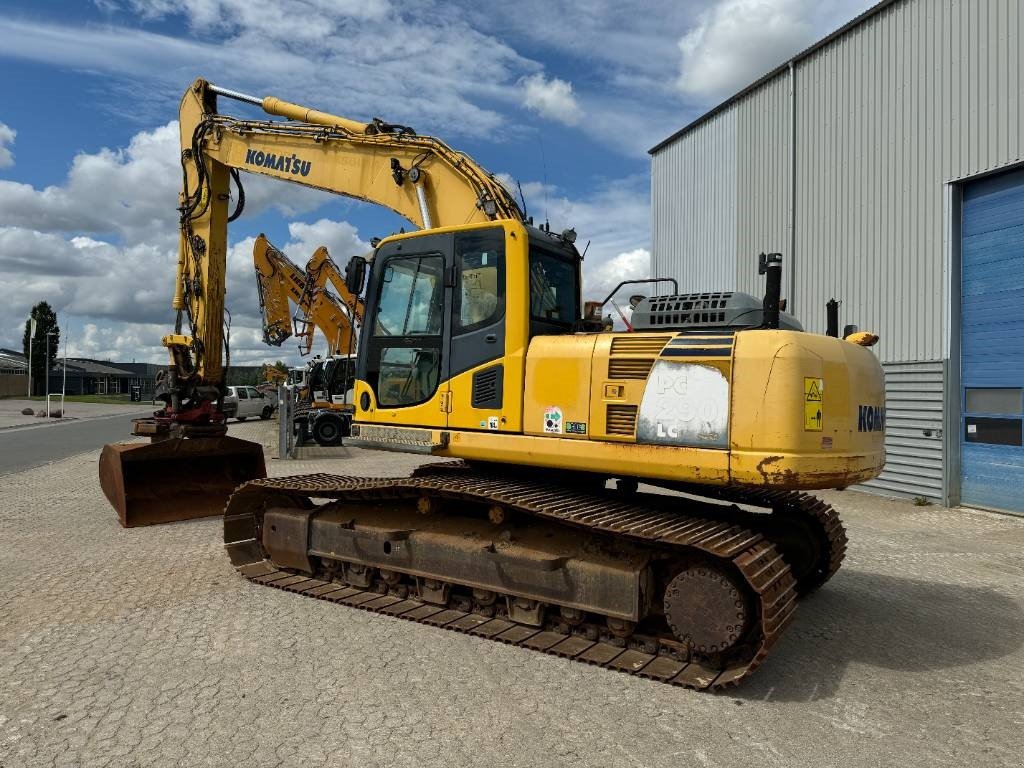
x,y
418,177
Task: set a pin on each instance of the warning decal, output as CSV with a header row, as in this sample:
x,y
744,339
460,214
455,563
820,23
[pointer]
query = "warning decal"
x,y
814,390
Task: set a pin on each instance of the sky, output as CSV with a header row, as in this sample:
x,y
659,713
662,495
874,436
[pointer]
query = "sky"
x,y
563,97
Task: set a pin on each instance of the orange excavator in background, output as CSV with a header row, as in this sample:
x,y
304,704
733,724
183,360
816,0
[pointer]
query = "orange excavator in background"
x,y
323,406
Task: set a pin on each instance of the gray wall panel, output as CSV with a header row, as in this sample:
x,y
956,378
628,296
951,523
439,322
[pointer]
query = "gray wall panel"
x,y
763,181
925,92
913,431
693,208
922,93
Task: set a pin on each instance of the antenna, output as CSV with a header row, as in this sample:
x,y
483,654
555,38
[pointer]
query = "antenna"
x,y
544,165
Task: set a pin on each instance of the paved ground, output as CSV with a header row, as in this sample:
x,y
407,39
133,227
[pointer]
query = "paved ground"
x,y
11,415
142,647
37,446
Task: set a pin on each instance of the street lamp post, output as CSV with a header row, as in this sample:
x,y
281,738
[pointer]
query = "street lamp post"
x,y
31,336
47,373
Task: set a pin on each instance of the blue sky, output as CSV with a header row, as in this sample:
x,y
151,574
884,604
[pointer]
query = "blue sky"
x,y
564,96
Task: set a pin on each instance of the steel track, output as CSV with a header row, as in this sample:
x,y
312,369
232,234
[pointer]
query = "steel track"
x,y
696,527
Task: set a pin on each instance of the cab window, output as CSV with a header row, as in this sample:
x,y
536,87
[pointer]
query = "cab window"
x,y
480,300
411,298
242,393
554,291
408,327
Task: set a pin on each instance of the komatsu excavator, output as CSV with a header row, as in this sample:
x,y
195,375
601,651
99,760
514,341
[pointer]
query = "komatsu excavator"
x,y
542,529
323,408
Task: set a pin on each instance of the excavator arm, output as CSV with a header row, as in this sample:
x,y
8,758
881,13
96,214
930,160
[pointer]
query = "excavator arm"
x,y
280,282
419,177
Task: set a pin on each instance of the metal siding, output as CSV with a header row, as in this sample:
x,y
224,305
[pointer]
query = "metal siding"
x,y
918,95
763,182
693,207
913,431
924,92
921,93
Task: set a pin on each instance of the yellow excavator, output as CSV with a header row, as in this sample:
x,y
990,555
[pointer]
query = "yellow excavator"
x,y
280,282
633,500
323,407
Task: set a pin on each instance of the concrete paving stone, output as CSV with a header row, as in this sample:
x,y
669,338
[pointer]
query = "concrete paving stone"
x,y
143,647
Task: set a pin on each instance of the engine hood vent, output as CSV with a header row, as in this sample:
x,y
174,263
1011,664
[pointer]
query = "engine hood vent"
x,y
701,311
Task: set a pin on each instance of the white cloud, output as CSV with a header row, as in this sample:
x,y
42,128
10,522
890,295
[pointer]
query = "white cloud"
x,y
418,65
629,265
276,19
737,41
7,135
552,99
734,42
102,246
340,237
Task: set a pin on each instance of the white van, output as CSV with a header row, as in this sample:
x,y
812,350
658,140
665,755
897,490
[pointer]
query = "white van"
x,y
243,402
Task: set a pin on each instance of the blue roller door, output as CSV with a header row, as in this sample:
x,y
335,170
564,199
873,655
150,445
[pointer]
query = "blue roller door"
x,y
992,343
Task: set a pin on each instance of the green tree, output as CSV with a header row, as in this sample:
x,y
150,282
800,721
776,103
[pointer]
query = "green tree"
x,y
46,322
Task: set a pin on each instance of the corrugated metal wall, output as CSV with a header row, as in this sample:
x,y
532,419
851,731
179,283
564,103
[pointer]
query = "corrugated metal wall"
x,y
693,193
764,181
925,92
913,431
922,93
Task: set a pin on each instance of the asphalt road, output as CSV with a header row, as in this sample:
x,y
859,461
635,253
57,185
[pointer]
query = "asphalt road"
x,y
34,446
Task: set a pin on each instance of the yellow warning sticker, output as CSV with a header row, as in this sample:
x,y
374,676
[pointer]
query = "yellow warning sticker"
x,y
814,390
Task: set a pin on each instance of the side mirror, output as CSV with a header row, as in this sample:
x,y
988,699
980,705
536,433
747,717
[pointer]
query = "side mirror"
x,y
355,272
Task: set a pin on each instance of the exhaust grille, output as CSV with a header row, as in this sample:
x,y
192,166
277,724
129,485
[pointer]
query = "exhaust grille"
x,y
629,368
629,344
621,420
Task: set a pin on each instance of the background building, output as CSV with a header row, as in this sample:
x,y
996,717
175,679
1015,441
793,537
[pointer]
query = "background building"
x,y
884,164
13,374
92,377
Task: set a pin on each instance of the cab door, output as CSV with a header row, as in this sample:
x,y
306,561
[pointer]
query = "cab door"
x,y
404,355
478,331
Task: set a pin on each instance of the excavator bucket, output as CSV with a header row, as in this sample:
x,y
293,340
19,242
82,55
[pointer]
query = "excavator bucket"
x,y
176,479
